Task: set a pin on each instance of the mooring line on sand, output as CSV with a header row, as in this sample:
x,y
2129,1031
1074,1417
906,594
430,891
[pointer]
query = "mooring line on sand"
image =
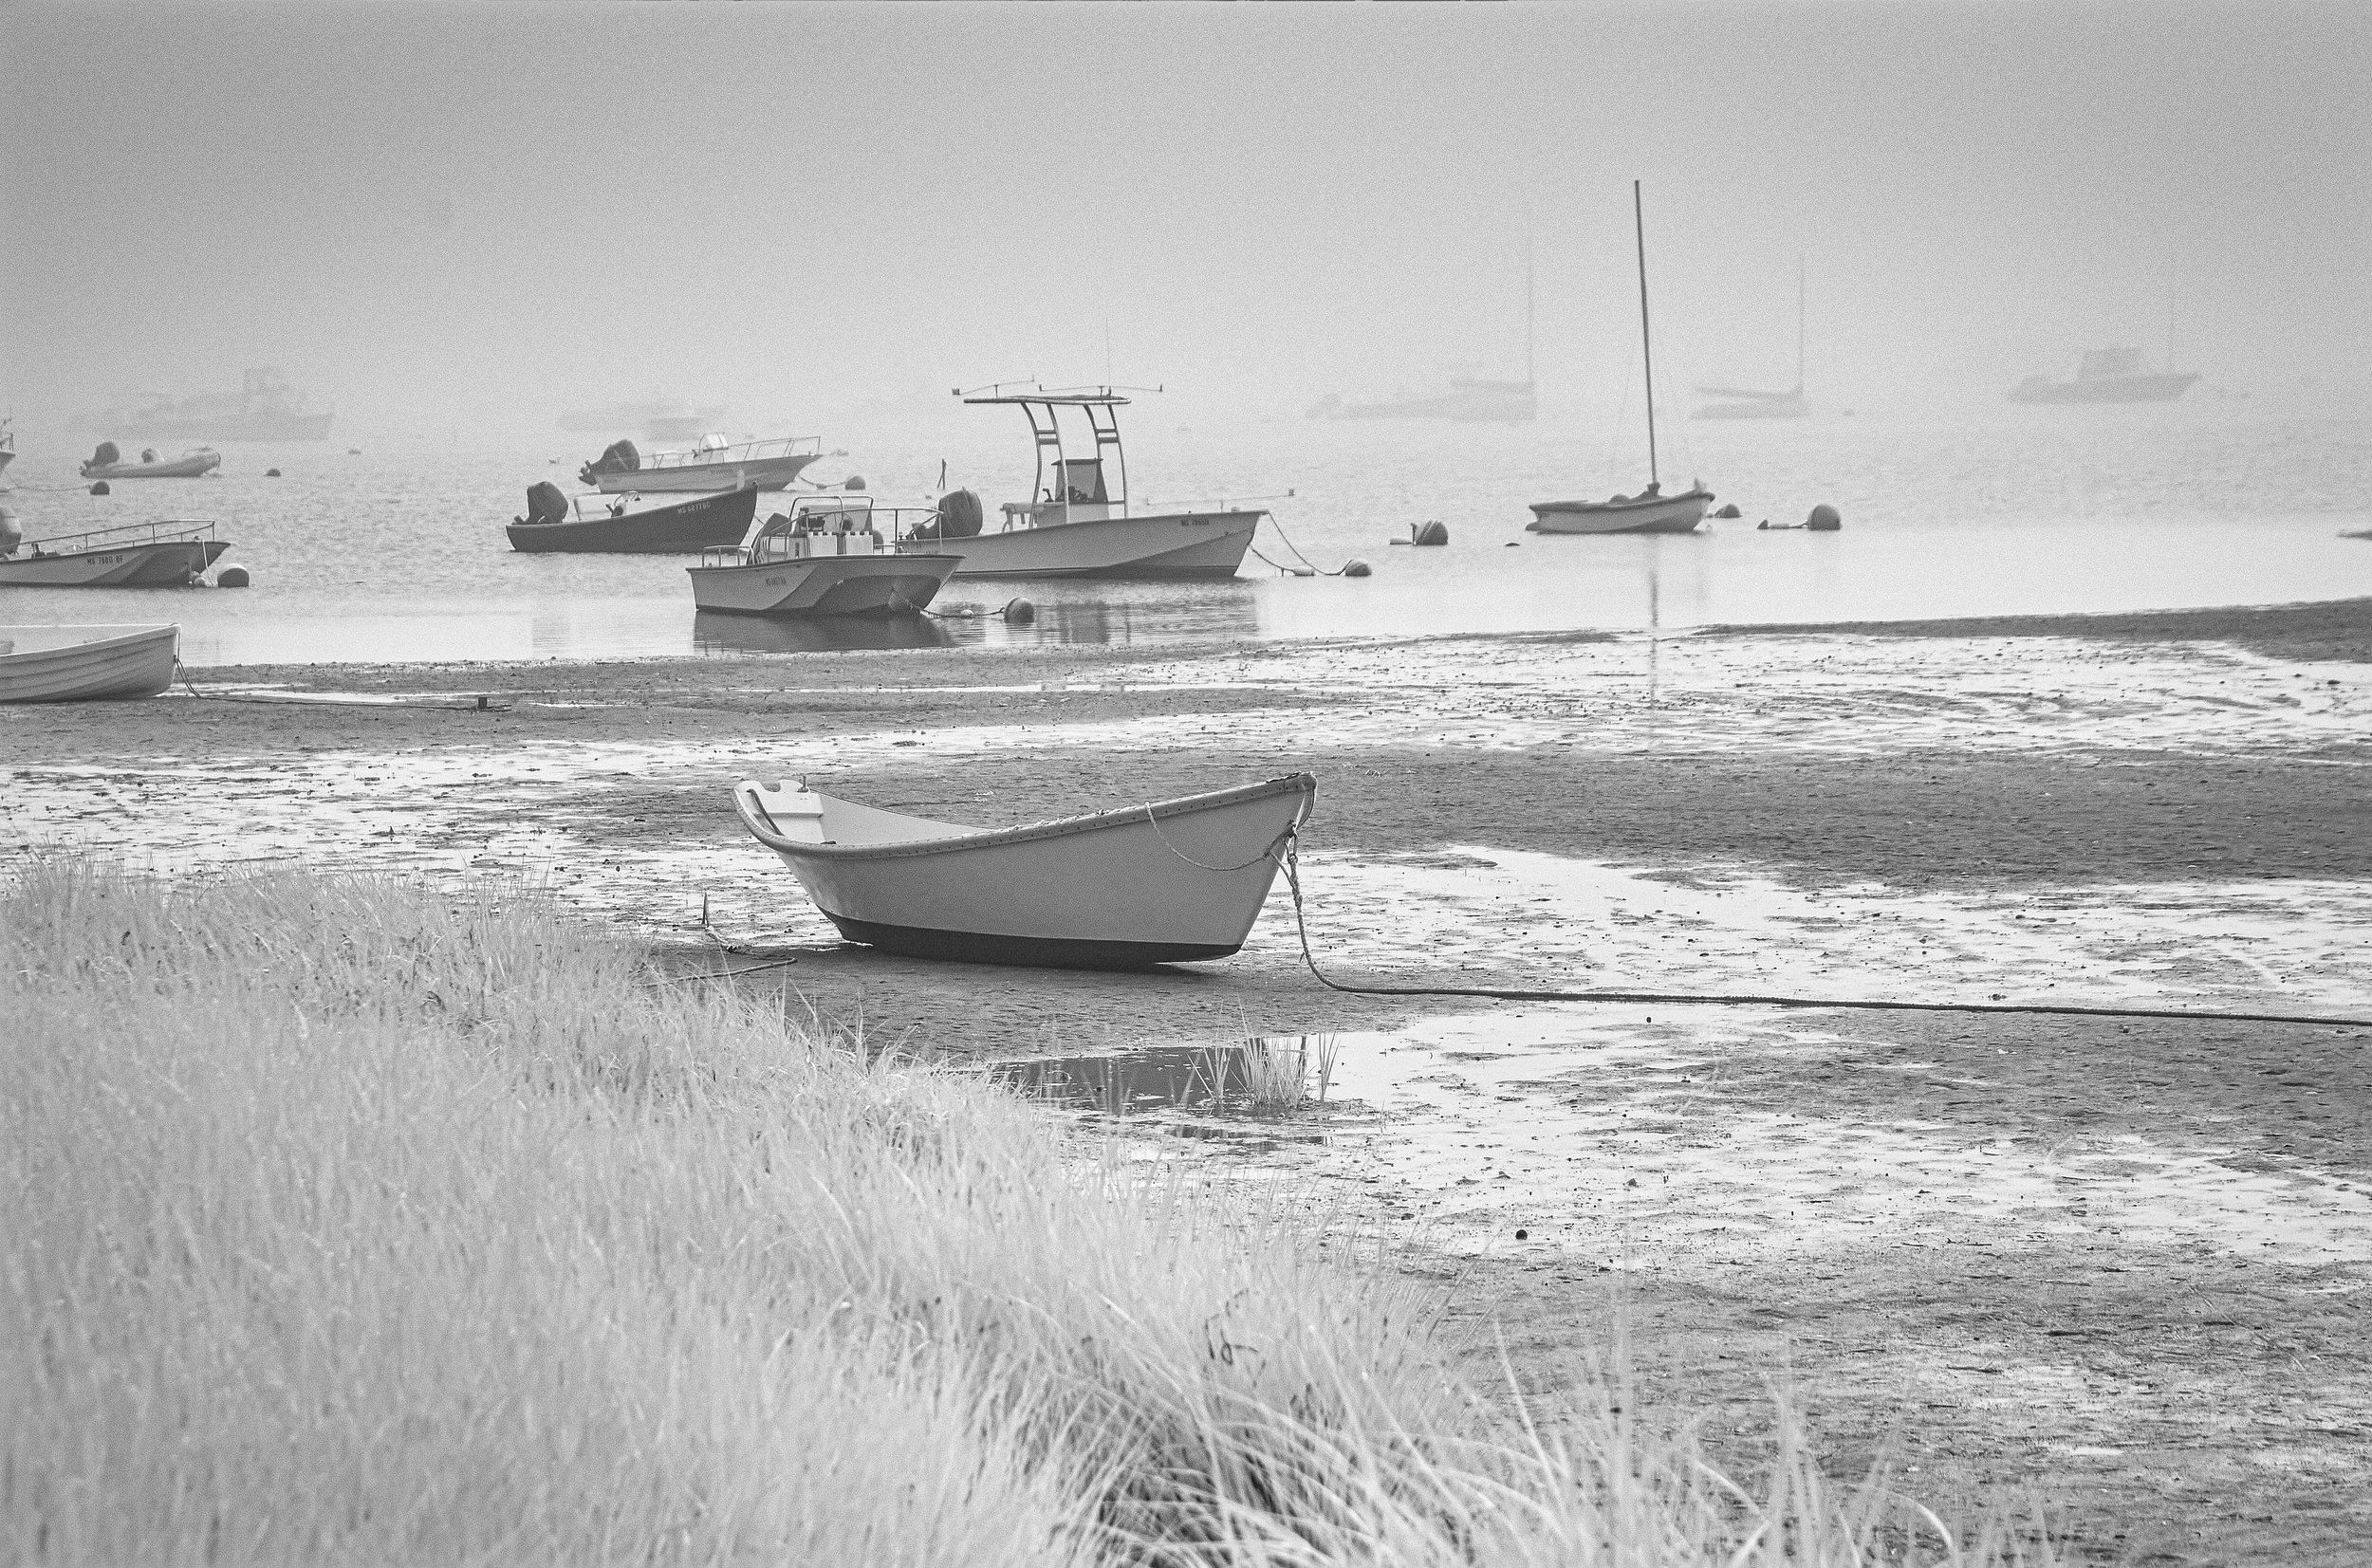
x,y
1290,864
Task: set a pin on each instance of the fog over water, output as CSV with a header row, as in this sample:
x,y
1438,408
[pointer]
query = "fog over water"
x,y
461,223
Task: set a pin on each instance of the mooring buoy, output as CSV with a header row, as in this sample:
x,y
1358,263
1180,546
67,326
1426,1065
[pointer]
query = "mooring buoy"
x,y
99,489
232,574
1823,518
1020,611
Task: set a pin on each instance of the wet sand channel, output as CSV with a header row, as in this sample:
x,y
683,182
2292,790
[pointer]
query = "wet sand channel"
x,y
2120,1264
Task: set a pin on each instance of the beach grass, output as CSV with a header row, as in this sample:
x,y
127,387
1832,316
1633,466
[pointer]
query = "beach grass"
x,y
352,1220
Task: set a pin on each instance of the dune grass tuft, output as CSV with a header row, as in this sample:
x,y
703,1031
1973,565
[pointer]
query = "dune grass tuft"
x,y
345,1220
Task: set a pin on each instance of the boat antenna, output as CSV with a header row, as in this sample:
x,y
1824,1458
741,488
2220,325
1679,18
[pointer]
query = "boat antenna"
x,y
1646,351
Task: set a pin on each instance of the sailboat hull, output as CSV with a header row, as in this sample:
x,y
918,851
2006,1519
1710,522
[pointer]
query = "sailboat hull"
x,y
1664,515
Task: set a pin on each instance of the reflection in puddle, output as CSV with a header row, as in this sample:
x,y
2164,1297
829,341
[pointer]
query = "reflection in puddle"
x,y
713,633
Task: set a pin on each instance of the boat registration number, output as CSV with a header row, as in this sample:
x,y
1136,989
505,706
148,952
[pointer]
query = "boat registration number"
x,y
777,581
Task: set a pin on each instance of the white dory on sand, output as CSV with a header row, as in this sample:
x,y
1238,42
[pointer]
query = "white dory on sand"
x,y
1079,522
824,557
82,663
1165,883
1650,510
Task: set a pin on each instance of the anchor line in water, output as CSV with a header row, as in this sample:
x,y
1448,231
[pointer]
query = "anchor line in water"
x,y
1290,864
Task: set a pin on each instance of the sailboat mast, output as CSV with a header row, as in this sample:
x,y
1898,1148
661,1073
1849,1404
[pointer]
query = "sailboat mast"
x,y
1646,349
1799,324
1530,380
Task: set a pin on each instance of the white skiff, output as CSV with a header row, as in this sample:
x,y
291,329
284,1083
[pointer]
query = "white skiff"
x,y
79,663
1165,883
1623,515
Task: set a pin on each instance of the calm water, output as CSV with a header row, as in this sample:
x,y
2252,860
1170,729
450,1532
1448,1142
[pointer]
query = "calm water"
x,y
397,553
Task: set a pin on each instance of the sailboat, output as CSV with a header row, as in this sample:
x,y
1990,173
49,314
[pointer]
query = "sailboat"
x,y
1650,510
1748,404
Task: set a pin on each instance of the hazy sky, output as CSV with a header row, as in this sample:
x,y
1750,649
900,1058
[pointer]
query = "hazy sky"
x,y
499,213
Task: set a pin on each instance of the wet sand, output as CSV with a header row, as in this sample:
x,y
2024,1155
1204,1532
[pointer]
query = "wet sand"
x,y
2119,1263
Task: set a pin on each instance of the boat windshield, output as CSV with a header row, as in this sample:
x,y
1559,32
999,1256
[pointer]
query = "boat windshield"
x,y
745,452
841,513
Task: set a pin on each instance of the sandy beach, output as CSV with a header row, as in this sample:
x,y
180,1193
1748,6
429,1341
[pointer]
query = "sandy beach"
x,y
2117,1266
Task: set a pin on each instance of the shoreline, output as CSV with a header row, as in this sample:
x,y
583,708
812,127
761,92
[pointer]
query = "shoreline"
x,y
2003,1245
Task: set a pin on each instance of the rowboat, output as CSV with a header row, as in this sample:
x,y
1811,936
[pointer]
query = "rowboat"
x,y
1650,510
1643,513
105,464
134,555
621,527
80,663
1171,881
824,557
712,464
1079,524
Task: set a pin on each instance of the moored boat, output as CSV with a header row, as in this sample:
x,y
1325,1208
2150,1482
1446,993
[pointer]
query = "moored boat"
x,y
82,663
1169,881
1647,513
621,527
713,464
107,463
1081,525
2108,376
133,555
824,557
1650,510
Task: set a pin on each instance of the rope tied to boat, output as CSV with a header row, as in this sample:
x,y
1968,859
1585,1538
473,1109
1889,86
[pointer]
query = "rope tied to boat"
x,y
1290,862
1267,853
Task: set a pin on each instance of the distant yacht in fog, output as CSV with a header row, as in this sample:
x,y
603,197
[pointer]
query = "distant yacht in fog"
x,y
1746,404
1469,399
265,409
658,418
2108,375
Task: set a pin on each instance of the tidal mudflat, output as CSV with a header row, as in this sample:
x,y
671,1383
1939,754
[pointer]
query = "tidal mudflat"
x,y
2119,1263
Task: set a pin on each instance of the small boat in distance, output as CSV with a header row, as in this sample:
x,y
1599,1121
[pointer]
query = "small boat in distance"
x,y
712,464
84,663
2108,376
265,407
1170,882
824,557
132,555
1651,510
1746,404
620,525
107,463
1079,523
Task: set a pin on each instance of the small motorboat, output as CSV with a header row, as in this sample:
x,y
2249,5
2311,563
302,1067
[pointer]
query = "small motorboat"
x,y
134,555
712,464
1170,882
107,463
620,525
824,557
1081,525
83,663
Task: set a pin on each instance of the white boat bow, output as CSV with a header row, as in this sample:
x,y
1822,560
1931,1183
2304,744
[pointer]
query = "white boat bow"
x,y
1168,882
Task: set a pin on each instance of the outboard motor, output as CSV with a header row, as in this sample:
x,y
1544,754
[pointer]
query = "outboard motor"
x,y
618,457
958,518
546,504
106,453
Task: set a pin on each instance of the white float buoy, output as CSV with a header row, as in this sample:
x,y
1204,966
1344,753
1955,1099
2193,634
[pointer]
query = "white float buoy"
x,y
232,574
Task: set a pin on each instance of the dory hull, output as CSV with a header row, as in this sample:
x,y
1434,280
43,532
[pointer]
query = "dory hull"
x,y
687,527
1157,884
83,663
1664,515
178,468
169,564
1171,546
879,584
757,473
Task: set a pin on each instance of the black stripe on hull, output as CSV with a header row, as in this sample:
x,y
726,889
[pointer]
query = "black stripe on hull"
x,y
1043,953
